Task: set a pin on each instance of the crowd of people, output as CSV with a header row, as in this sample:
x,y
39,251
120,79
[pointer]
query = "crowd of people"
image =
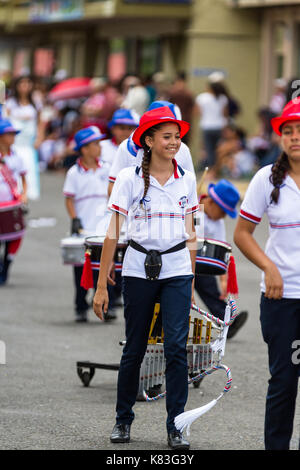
x,y
48,124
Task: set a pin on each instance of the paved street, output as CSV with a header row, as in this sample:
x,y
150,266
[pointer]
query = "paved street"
x,y
43,402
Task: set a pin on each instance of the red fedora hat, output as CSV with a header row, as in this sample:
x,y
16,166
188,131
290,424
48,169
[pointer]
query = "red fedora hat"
x,y
154,117
291,112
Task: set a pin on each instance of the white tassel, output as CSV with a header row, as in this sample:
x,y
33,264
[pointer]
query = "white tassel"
x,y
184,420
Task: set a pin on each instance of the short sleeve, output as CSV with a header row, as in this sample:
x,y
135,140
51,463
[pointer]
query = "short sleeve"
x,y
187,161
255,203
120,161
69,189
193,205
121,196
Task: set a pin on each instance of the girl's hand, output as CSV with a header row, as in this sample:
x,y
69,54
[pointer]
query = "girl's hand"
x,y
100,302
273,282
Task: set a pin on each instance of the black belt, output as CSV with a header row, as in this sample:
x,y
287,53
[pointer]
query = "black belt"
x,y
153,261
140,248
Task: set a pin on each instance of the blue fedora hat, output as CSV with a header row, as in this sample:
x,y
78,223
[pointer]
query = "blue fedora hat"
x,y
161,104
126,117
225,195
87,135
6,127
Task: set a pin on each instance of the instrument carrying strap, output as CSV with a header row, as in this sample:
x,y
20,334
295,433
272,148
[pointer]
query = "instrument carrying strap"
x,y
9,179
153,261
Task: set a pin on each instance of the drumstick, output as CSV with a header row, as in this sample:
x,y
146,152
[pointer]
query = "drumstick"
x,y
202,180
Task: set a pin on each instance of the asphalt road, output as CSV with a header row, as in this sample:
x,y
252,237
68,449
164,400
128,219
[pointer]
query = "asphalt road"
x,y
44,405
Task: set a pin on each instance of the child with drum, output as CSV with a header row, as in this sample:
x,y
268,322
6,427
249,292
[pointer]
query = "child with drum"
x,y
159,199
220,201
85,190
13,196
275,191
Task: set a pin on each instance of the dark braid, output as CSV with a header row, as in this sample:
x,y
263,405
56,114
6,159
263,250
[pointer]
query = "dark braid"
x,y
147,158
279,172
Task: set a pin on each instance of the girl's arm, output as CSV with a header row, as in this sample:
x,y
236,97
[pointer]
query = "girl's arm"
x,y
244,240
100,303
71,207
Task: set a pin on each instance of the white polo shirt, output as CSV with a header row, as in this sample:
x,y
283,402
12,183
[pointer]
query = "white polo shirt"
x,y
130,155
283,245
17,168
108,151
89,187
160,224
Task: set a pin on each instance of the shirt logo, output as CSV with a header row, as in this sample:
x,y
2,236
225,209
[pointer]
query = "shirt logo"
x,y
183,201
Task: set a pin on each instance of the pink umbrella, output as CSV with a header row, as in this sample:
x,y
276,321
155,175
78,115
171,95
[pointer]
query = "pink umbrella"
x,y
71,88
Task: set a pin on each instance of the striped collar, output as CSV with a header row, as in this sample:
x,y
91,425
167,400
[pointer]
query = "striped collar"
x,y
178,171
83,167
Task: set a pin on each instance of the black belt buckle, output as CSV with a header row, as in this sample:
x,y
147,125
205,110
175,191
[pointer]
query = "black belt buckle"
x,y
153,264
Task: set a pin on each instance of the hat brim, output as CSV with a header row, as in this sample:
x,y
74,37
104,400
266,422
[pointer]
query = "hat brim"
x,y
231,212
136,137
120,122
10,131
78,147
278,122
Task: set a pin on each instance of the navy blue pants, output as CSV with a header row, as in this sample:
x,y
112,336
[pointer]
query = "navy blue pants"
x,y
140,296
280,323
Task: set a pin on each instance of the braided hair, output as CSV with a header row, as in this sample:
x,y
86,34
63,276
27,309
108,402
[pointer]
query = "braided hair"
x,y
147,159
278,174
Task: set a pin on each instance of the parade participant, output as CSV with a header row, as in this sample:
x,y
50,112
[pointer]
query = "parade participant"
x,y
160,199
121,126
275,191
220,201
130,154
13,187
85,190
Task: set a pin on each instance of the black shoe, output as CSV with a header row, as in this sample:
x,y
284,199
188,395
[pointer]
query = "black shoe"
x,y
81,316
237,324
110,315
120,433
176,441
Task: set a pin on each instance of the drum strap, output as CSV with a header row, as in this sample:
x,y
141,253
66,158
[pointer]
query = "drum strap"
x,y
153,261
9,179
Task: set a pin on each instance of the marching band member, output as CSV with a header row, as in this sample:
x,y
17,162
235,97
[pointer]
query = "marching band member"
x,y
159,199
85,190
13,187
130,154
220,201
121,126
275,191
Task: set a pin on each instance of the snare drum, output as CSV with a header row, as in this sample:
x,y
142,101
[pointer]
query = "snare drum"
x,y
95,244
12,224
212,256
72,250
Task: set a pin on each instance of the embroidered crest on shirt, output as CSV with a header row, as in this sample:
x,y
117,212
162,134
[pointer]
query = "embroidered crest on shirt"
x,y
183,202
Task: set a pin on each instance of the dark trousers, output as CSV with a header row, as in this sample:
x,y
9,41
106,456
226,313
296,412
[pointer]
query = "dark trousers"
x,y
280,323
140,296
80,293
210,140
208,290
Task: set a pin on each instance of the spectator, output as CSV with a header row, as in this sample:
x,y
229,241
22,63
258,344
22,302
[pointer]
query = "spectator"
x,y
265,144
278,98
135,95
213,109
184,98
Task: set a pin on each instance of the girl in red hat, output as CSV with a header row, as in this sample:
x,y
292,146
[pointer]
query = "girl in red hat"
x,y
158,199
275,190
